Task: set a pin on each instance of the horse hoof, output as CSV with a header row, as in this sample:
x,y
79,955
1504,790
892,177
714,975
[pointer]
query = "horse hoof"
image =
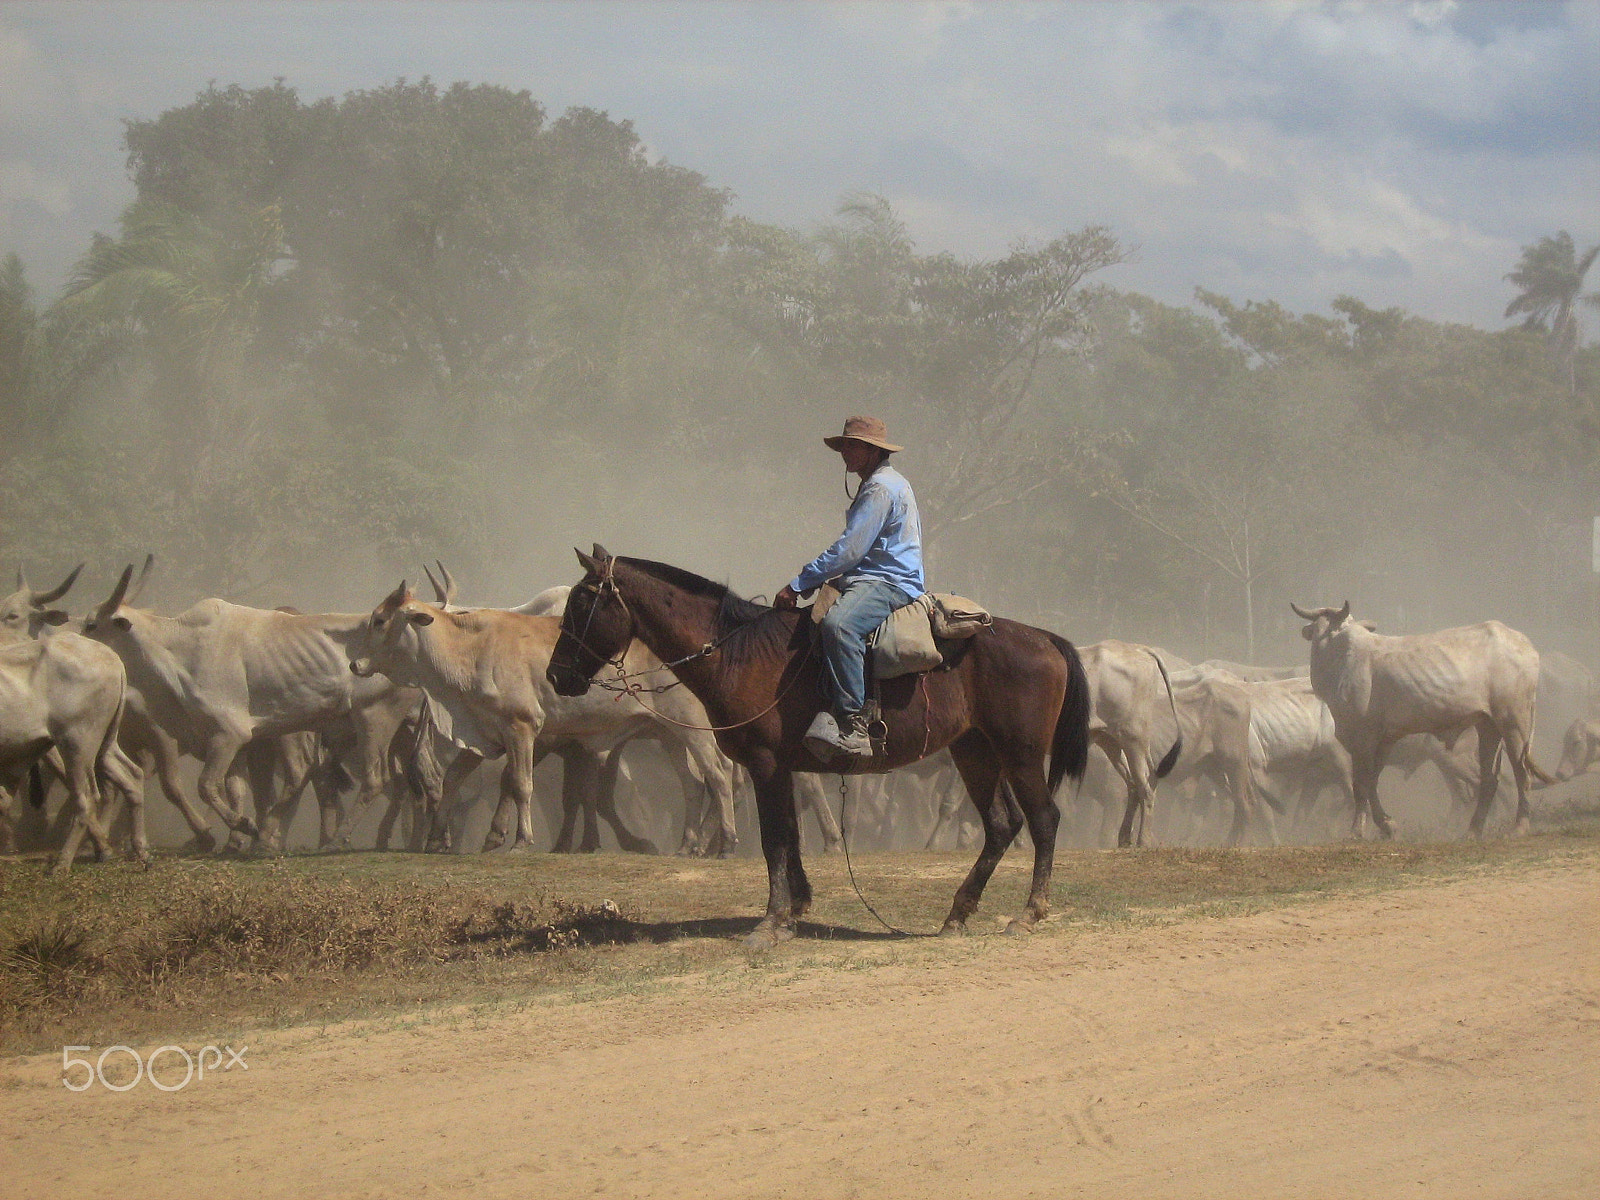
x,y
952,929
765,936
1017,926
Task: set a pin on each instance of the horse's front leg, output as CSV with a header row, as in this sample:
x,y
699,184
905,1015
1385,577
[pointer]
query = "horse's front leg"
x,y
788,889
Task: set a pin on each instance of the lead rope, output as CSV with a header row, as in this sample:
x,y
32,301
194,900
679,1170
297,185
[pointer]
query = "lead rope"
x,y
844,838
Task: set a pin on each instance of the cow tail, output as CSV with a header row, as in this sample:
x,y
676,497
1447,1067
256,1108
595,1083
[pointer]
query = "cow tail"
x,y
1535,769
1170,758
1069,748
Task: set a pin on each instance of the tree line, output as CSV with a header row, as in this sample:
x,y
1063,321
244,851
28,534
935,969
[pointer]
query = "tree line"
x,y
333,339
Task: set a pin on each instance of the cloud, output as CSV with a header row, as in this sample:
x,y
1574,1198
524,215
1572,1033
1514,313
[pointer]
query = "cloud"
x,y
1292,151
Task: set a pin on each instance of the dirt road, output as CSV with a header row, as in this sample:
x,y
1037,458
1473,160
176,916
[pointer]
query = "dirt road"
x,y
1441,1040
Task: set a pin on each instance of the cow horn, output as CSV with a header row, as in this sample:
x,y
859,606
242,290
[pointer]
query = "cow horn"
x,y
438,588
1302,613
22,580
397,597
117,593
138,586
1343,614
450,590
40,599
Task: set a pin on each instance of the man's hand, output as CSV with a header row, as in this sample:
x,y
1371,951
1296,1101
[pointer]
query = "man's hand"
x,y
786,598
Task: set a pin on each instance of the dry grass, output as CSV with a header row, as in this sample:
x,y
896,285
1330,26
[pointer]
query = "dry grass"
x,y
192,949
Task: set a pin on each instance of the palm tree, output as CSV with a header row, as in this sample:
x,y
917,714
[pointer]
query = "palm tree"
x,y
189,293
1550,280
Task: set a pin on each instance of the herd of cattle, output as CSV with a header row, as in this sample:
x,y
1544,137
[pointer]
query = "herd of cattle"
x,y
273,703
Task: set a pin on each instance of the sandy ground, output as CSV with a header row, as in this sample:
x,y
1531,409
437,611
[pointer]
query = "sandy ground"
x,y
1441,1040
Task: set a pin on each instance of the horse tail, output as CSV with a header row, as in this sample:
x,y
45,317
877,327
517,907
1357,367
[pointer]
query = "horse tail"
x,y
1069,748
1170,758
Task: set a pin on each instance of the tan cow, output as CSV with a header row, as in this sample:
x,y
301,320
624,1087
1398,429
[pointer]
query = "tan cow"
x,y
671,716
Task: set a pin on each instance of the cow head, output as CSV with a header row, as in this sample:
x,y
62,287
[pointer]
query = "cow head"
x,y
116,615
595,628
1325,622
26,612
1580,749
387,640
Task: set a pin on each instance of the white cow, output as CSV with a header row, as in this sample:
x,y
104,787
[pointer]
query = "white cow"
x,y
1380,689
220,675
61,702
1132,697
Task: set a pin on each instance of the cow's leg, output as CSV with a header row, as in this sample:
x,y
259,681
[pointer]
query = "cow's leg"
x,y
698,838
1125,763
580,780
1364,781
604,803
123,774
832,835
374,728
571,809
788,889
221,749
160,754
980,771
84,794
517,783
1488,774
717,780
1517,746
449,800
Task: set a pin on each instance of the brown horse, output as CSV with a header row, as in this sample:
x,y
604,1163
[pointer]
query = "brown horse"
x,y
1005,701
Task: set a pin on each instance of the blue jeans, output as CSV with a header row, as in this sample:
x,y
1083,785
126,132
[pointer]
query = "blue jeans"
x,y
860,609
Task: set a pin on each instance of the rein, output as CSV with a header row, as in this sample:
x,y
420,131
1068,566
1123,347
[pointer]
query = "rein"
x,y
623,685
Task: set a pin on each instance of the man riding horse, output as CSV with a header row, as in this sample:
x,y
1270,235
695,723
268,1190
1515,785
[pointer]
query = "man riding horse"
x,y
876,564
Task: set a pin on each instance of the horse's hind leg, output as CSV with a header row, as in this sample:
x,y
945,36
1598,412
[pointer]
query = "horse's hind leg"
x,y
1030,793
980,771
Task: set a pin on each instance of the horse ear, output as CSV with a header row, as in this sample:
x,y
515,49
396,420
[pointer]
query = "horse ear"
x,y
601,552
591,565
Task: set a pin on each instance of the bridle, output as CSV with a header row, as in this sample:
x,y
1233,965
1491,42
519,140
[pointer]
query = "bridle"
x,y
625,683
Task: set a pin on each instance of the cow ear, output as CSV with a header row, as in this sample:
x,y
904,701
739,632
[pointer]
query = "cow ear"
x,y
422,618
122,623
1369,626
1307,631
55,616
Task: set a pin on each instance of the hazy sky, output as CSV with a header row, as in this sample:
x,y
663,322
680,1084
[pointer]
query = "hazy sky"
x,y
1400,152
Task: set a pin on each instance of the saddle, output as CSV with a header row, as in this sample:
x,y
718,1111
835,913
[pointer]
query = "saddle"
x,y
907,643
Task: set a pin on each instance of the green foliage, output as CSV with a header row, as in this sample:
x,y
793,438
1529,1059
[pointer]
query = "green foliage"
x,y
338,336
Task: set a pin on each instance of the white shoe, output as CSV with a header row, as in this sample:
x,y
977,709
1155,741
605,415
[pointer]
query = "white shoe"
x,y
825,739
822,738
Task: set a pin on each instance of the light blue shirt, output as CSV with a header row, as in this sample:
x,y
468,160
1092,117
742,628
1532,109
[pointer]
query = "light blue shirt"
x,y
882,539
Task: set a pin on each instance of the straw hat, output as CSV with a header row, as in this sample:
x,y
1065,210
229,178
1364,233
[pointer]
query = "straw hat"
x,y
862,429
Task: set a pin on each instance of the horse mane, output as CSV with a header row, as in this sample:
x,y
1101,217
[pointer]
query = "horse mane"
x,y
741,628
